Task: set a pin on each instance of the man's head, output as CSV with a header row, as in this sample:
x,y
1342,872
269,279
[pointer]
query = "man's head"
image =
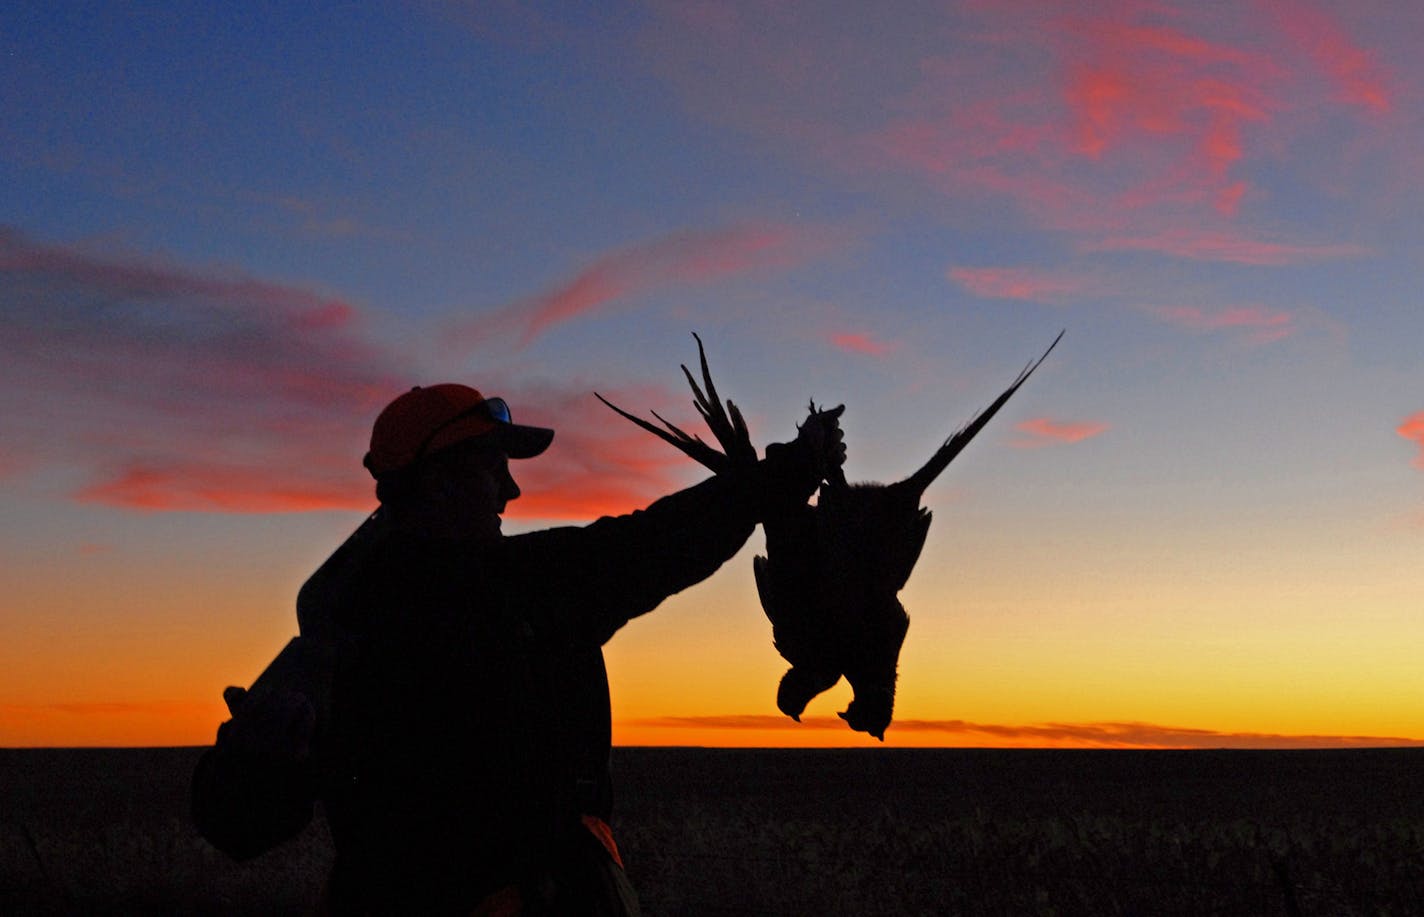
x,y
444,450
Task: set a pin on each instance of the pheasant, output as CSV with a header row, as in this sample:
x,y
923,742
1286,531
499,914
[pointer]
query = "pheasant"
x,y
832,571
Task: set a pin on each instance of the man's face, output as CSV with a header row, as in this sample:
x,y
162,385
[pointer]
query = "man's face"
x,y
487,470
470,486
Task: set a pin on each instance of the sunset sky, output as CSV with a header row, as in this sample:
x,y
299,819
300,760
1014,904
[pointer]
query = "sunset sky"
x,y
230,233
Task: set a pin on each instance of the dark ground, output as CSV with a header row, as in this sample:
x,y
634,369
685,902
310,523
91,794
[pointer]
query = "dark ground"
x,y
873,831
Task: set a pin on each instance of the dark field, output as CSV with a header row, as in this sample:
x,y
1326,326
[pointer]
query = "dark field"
x,y
876,831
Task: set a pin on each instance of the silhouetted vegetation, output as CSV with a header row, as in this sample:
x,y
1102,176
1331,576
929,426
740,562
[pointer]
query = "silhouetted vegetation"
x,y
882,831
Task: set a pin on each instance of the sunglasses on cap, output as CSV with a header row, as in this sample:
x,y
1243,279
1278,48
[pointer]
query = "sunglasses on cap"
x,y
495,409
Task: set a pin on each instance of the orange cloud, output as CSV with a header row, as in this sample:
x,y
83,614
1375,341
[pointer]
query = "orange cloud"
x,y
1413,429
212,488
1263,325
1203,245
1016,283
582,500
1041,431
599,463
862,342
1055,735
684,259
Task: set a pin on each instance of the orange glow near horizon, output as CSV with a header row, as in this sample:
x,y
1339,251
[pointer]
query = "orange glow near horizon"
x,y
117,725
991,660
167,724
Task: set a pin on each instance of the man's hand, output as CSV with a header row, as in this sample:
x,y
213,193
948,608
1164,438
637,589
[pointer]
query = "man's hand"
x,y
821,435
275,725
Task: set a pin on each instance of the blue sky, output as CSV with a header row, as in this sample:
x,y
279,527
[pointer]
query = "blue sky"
x,y
229,235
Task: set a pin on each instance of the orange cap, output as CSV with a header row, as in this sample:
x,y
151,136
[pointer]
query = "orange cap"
x,y
430,418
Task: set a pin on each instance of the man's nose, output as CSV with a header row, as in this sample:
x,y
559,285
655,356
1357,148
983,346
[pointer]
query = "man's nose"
x,y
508,490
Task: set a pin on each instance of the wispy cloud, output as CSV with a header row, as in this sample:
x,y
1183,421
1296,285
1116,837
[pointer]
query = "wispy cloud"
x,y
1412,429
172,388
45,268
1026,283
679,260
1081,735
1042,431
1260,324
862,342
1156,90
1359,77
1229,246
176,387
1124,121
210,487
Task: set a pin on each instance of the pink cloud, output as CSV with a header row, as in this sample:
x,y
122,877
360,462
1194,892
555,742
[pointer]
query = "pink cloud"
x,y
1412,428
1155,81
1361,80
150,279
182,388
1118,122
172,388
1041,431
1023,283
1126,119
1153,90
1082,735
1205,245
679,260
862,342
278,422
1262,325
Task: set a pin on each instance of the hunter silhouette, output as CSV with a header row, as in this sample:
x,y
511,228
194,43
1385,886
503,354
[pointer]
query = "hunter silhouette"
x,y
459,738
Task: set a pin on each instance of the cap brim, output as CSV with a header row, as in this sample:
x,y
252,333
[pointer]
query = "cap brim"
x,y
521,442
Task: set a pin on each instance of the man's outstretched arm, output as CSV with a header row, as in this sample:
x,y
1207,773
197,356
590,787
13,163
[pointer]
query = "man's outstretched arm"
x,y
598,577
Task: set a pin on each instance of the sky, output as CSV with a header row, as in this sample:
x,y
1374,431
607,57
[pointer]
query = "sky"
x,y
230,233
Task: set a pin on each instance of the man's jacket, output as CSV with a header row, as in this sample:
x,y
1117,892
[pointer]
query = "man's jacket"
x,y
470,725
